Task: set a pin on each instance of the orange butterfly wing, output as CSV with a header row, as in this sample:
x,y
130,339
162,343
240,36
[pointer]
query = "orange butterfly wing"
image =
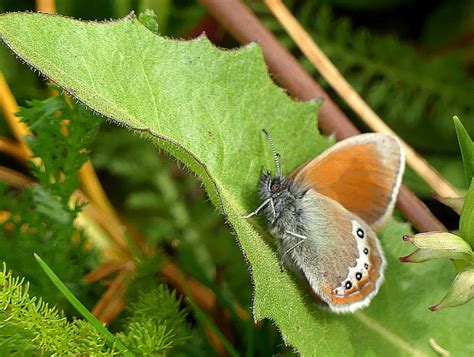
x,y
363,173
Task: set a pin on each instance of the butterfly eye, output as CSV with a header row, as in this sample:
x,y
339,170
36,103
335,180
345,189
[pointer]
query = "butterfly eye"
x,y
348,285
275,187
360,233
358,275
366,251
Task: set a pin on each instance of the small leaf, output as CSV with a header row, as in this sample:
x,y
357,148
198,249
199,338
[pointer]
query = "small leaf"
x,y
466,222
436,245
467,149
461,292
149,19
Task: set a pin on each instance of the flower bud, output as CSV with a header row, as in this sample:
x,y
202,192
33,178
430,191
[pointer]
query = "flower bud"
x,y
460,292
437,245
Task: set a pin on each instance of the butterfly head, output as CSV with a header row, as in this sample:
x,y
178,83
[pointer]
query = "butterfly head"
x,y
271,186
277,191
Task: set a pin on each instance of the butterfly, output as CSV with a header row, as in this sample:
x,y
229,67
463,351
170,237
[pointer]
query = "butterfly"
x,y
325,214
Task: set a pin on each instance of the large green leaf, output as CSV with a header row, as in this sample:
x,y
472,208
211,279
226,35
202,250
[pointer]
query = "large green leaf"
x,y
206,107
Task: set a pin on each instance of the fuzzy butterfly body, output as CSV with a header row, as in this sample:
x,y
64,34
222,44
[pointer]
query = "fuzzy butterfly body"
x,y
324,216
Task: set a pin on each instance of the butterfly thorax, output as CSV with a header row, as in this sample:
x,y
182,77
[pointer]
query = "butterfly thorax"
x,y
284,210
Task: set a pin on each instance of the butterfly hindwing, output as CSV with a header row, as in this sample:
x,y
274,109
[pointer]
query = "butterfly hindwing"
x,y
341,258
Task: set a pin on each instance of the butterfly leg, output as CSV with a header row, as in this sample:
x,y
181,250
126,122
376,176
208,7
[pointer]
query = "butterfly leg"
x,y
273,207
259,208
302,239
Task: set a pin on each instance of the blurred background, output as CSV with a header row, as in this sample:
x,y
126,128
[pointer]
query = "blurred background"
x,y
412,61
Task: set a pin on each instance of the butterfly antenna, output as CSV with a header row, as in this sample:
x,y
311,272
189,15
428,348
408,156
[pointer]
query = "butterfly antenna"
x,y
276,156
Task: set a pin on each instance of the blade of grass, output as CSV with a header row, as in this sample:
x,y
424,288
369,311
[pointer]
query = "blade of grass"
x,y
81,308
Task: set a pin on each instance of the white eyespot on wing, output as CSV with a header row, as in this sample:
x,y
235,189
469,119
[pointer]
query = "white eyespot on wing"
x,y
360,271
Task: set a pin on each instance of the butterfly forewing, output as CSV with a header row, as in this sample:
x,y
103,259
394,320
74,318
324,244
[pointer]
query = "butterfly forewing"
x,y
363,173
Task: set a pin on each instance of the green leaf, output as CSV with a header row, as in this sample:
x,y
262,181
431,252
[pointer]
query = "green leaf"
x,y
467,149
466,221
206,107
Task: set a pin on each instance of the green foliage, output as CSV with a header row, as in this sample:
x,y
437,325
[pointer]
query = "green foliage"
x,y
30,326
40,217
415,94
99,327
61,134
188,98
156,323
447,23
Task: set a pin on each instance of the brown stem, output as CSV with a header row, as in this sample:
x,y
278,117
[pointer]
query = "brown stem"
x,y
12,149
112,302
246,27
14,178
10,107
